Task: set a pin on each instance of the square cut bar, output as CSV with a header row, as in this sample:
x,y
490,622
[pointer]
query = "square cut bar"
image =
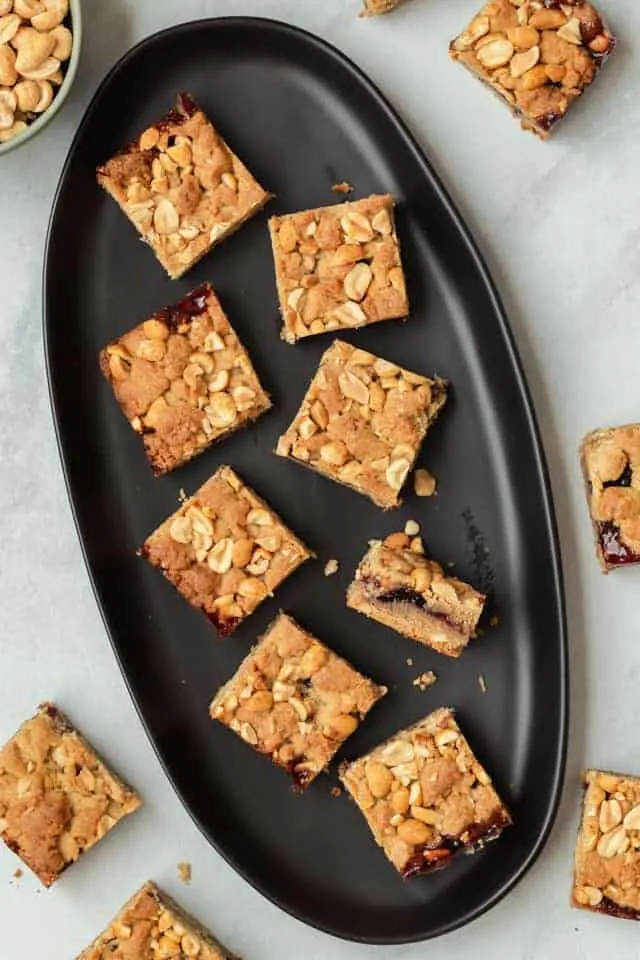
x,y
183,379
425,796
362,422
538,56
295,700
611,469
151,926
57,797
607,858
225,550
372,8
182,187
398,586
338,267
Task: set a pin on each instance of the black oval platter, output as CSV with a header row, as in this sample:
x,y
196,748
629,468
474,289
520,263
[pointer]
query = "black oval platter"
x,y
303,117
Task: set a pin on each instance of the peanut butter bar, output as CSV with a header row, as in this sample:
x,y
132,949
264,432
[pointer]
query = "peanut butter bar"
x,y
607,858
539,56
362,422
151,926
611,468
425,796
57,797
372,8
338,267
295,700
225,550
398,586
183,379
182,187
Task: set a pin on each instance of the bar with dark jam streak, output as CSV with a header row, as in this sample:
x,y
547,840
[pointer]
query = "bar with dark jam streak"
x,y
425,796
151,926
610,460
295,700
398,586
57,796
607,856
183,379
538,56
182,187
225,550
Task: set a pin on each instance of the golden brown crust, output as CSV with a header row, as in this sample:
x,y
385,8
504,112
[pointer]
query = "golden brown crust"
x,y
295,700
398,586
610,460
182,187
183,379
373,8
425,796
225,550
151,926
338,267
538,56
362,422
607,857
57,797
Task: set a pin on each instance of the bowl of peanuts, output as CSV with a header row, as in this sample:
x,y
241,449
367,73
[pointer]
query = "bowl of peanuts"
x,y
39,53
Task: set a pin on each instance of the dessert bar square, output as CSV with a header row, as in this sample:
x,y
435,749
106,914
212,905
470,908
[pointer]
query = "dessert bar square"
x,y
225,550
611,468
182,187
183,379
425,796
397,585
538,56
295,700
362,422
57,797
338,267
372,8
607,858
152,926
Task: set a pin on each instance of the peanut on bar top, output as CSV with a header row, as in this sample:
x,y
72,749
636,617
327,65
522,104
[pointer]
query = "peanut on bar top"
x,y
183,379
338,267
374,7
295,700
57,797
425,796
398,586
611,468
362,422
538,55
607,858
151,926
182,187
225,550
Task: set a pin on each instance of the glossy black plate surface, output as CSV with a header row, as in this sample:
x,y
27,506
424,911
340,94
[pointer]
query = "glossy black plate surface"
x,y
303,117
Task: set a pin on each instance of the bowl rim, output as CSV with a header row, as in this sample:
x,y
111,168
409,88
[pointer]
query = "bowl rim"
x,y
34,128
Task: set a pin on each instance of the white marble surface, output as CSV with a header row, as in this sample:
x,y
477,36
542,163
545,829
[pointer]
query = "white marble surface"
x,y
558,223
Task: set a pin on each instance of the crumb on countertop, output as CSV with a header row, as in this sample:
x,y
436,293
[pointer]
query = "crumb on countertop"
x,y
494,621
409,661
17,874
424,483
482,683
425,680
182,496
184,871
335,792
331,567
342,187
411,528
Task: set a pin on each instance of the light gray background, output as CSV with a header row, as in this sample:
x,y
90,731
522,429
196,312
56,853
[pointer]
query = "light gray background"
x,y
559,225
